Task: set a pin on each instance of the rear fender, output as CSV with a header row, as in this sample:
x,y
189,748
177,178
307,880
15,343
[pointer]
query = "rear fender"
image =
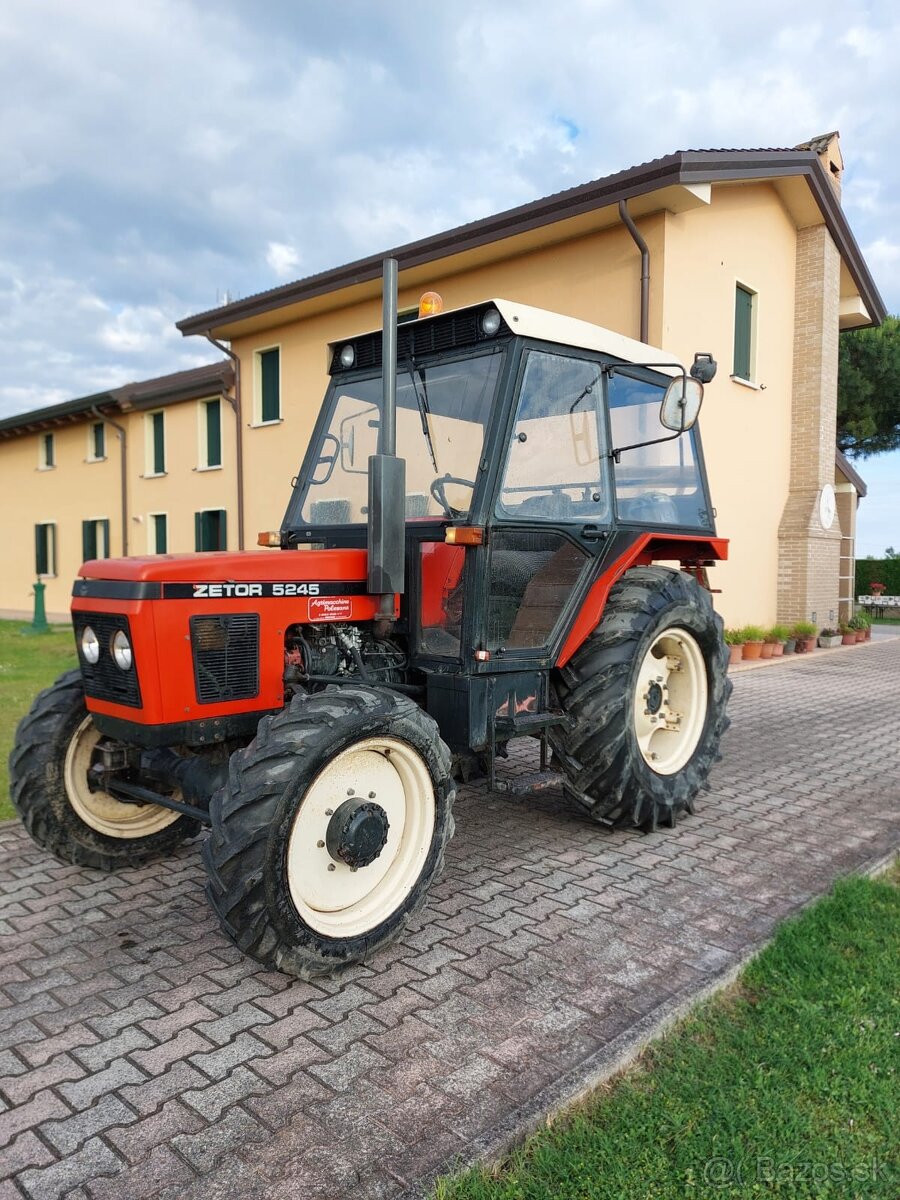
x,y
693,553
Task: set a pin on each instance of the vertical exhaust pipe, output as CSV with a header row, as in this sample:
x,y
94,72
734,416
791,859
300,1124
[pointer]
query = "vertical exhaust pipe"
x,y
387,474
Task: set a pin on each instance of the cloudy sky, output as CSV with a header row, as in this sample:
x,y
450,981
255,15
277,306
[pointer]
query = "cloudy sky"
x,y
155,156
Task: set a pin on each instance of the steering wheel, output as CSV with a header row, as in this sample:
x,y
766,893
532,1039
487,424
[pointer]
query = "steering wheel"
x,y
438,490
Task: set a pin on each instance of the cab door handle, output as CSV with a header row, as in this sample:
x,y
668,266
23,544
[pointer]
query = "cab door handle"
x,y
593,533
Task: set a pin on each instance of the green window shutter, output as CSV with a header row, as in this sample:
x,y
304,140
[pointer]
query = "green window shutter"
x,y
222,530
49,455
214,433
88,540
160,534
159,443
270,377
99,440
743,329
40,550
198,531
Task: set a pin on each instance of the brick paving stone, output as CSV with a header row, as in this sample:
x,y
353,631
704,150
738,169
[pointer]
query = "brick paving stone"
x,y
134,1142
92,1160
199,1076
25,1151
213,1100
145,1097
162,1168
69,1134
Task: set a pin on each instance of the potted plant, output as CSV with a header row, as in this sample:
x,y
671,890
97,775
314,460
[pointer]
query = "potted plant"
x,y
857,624
866,623
754,640
734,640
876,588
777,638
829,638
848,634
805,633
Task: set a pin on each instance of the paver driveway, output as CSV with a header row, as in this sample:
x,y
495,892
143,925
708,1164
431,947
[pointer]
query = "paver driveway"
x,y
141,1056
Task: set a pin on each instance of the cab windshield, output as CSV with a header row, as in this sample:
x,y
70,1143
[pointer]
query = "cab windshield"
x,y
442,409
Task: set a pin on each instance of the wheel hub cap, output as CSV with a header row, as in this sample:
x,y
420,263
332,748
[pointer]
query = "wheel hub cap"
x,y
357,833
654,698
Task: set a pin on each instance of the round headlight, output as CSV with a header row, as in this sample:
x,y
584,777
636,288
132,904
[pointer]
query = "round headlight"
x,y
348,356
490,322
121,650
90,646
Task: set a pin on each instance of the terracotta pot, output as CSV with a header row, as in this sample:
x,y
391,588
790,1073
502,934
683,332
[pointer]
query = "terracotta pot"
x,y
860,635
777,649
810,643
735,654
753,649
767,650
868,635
848,639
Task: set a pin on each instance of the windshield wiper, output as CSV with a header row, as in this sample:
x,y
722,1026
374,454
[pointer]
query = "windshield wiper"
x,y
422,402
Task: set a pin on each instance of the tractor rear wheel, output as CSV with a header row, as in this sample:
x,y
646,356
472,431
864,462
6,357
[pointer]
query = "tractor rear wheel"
x,y
48,775
331,829
646,695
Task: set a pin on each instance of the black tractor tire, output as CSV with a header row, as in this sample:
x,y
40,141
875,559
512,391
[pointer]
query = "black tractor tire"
x,y
258,886
605,768
41,797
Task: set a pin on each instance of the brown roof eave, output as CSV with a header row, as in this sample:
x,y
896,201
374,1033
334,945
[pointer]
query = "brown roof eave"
x,y
56,414
843,464
684,167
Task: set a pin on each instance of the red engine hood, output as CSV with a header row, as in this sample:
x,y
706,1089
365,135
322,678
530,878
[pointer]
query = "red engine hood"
x,y
249,565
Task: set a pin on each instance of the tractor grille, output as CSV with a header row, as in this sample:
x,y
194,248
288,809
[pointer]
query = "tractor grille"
x,y
226,657
436,334
103,680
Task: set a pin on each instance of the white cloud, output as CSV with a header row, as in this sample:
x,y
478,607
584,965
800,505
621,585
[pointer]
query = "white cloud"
x,y
283,259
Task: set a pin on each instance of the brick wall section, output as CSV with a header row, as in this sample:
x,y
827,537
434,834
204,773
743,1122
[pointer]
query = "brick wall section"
x,y
809,556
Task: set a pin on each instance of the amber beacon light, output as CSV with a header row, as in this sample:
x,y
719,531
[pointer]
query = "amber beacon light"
x,y
430,304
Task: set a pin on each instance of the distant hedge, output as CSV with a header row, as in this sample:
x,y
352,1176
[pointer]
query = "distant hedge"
x,y
882,570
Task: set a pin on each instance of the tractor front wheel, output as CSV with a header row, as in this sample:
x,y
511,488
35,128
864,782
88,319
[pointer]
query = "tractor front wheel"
x,y
646,696
48,774
331,829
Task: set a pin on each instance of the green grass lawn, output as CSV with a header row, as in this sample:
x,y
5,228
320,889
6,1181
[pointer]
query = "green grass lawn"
x,y
27,664
786,1085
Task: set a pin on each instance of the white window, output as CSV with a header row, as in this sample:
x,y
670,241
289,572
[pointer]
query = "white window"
x,y
158,533
45,548
96,442
155,444
47,452
267,385
209,413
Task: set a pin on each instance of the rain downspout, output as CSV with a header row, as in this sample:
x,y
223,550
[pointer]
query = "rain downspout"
x,y
235,402
645,266
123,446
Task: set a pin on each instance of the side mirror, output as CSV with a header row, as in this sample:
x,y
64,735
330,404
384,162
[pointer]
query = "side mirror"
x,y
681,404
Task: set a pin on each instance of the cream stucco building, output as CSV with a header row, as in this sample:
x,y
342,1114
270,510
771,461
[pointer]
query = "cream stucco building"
x,y
744,253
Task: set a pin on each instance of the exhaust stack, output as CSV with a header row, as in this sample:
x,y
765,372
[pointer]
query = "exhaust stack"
x,y
387,472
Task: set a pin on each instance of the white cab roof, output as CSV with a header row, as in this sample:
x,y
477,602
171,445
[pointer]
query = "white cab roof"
x,y
569,331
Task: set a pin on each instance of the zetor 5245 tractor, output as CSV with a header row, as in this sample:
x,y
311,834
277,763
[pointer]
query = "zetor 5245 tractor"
x,y
467,557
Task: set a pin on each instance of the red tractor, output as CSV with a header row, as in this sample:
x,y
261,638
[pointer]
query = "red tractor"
x,y
467,557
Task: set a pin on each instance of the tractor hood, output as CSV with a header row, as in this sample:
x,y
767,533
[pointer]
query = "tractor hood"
x,y
254,566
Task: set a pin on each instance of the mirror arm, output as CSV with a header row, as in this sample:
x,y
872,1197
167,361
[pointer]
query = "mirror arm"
x,y
614,454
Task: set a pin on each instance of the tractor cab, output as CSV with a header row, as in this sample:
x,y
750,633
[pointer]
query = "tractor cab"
x,y
538,450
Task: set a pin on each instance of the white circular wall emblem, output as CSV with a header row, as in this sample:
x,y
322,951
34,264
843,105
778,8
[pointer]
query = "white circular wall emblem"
x,y
826,506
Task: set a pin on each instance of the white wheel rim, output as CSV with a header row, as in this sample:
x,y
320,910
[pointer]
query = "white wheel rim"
x,y
99,810
670,701
329,896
